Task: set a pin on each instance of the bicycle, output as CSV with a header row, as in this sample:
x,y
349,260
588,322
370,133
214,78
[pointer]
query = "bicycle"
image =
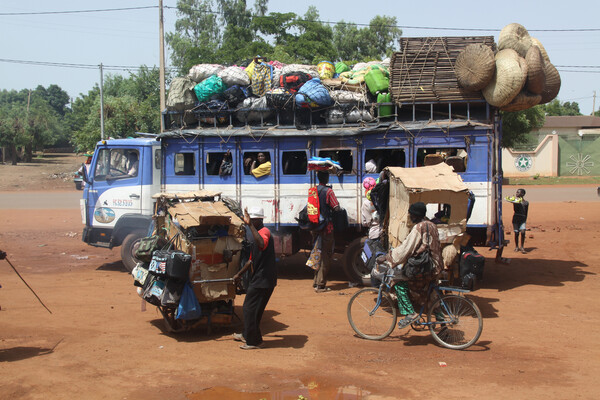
x,y
453,320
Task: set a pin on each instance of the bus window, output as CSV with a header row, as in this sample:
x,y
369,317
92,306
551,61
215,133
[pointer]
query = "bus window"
x,y
294,162
116,164
456,157
213,163
381,158
344,157
257,163
185,164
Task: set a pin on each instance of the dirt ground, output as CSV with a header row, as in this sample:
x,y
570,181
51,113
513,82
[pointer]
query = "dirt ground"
x,y
98,344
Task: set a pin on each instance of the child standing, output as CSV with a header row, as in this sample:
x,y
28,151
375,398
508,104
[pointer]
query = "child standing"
x,y
521,207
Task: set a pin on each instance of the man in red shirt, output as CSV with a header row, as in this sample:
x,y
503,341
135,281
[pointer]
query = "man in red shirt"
x,y
328,203
263,278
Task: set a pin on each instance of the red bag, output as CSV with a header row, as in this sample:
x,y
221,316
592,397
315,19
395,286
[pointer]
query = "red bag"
x,y
294,81
313,208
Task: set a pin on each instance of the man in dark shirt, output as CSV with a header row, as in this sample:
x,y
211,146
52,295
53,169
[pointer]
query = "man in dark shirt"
x,y
521,207
263,279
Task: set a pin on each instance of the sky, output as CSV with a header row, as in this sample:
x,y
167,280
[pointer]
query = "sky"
x,y
124,40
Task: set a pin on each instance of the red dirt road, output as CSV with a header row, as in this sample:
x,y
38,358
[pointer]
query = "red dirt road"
x,y
541,326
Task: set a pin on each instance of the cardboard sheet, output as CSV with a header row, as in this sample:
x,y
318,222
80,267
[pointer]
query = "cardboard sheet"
x,y
434,185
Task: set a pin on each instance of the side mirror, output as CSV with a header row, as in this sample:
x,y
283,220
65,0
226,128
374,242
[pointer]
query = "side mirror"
x,y
84,174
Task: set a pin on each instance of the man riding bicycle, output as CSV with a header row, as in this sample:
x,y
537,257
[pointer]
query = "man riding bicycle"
x,y
422,237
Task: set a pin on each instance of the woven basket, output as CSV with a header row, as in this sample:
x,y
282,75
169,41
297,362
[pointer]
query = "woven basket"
x,y
536,77
475,66
523,101
552,86
508,80
537,43
514,36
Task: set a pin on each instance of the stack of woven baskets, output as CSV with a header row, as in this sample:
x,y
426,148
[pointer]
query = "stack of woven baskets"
x,y
519,76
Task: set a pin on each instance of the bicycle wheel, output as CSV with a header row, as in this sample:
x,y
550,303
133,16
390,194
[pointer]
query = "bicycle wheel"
x,y
369,321
456,322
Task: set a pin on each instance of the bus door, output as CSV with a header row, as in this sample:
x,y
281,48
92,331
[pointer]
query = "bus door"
x,y
346,185
257,179
181,165
220,167
116,186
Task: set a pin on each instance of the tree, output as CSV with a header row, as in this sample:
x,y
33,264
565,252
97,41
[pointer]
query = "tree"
x,y
375,42
29,122
197,34
131,104
516,125
556,108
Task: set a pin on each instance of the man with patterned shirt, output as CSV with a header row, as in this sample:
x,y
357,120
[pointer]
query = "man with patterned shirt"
x,y
328,203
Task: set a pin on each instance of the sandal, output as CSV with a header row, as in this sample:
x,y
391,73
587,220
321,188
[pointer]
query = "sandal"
x,y
408,320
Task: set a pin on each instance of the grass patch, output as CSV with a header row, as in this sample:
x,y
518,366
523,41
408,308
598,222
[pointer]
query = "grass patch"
x,y
553,180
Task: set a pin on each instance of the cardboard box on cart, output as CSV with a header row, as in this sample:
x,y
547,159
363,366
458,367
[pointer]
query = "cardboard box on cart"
x,y
435,186
199,215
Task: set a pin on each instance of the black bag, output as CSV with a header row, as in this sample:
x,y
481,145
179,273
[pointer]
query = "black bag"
x,y
294,81
371,250
468,281
305,224
153,290
420,265
172,293
340,220
471,262
147,246
247,247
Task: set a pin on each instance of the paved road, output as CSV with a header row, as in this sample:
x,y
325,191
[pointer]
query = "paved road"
x,y
70,200
550,194
40,200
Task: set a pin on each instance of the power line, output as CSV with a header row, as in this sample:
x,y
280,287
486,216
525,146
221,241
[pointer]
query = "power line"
x,y
76,11
74,65
299,20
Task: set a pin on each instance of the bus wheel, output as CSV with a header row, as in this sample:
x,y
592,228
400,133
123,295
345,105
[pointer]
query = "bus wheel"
x,y
128,248
354,266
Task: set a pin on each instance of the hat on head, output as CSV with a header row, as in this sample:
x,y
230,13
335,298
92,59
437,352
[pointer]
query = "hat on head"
x,y
256,212
418,209
369,183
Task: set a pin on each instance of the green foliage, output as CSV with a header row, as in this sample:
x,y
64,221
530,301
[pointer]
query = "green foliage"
x,y
131,105
30,120
375,42
237,34
556,108
516,125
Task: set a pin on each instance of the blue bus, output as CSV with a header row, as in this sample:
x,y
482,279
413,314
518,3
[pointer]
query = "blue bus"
x,y
117,205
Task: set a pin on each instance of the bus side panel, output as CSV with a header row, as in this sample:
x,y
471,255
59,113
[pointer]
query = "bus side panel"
x,y
212,155
259,192
346,186
181,166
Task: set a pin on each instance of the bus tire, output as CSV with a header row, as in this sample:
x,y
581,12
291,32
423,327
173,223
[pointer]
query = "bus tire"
x,y
354,267
128,248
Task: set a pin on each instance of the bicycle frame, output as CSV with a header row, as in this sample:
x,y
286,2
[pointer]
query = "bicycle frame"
x,y
432,287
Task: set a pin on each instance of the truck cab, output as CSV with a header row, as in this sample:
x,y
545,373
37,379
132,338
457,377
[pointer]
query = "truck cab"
x,y
117,204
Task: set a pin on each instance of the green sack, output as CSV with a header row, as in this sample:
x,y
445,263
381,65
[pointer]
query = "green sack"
x,y
341,67
387,110
209,87
377,81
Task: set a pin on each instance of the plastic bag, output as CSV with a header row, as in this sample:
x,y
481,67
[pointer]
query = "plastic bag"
x,y
209,87
189,307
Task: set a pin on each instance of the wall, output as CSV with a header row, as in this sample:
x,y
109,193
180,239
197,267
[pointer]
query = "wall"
x,y
543,160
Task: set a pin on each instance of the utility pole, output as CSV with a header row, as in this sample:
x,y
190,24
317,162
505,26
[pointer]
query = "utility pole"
x,y
101,103
594,104
161,34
